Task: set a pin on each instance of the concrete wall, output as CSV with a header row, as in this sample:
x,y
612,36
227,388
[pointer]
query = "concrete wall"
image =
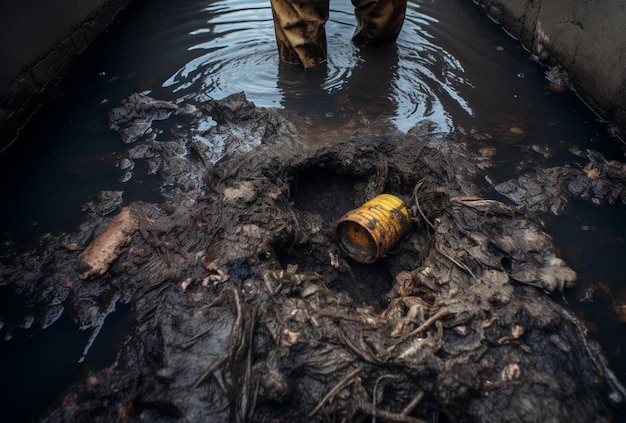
x,y
38,38
586,37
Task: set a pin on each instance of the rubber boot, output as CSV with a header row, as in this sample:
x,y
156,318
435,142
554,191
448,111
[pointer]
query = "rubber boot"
x,y
299,28
378,21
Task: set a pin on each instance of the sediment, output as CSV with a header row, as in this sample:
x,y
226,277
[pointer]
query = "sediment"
x,y
244,308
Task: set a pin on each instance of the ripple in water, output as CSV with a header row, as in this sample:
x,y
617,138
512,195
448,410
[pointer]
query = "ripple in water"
x,y
406,83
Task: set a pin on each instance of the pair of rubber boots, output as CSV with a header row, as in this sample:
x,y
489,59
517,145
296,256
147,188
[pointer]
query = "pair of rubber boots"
x,y
300,33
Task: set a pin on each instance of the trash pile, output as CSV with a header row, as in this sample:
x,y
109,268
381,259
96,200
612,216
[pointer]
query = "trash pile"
x,y
245,308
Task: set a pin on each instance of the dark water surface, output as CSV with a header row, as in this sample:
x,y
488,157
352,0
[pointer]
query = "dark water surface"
x,y
451,65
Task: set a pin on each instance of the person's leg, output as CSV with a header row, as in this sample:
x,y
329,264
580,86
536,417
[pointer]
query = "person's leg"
x,y
378,21
299,27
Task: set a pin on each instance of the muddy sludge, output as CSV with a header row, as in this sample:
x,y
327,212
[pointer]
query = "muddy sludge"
x,y
244,308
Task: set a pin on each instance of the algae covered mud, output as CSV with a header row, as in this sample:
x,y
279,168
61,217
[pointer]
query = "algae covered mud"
x,y
242,305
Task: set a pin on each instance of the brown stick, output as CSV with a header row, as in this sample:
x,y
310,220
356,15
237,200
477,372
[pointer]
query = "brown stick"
x,y
346,381
453,260
109,245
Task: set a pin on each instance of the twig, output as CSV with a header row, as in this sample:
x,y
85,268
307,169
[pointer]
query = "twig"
x,y
388,416
369,358
411,406
417,204
345,382
375,392
461,265
395,417
191,341
214,237
248,396
209,372
432,319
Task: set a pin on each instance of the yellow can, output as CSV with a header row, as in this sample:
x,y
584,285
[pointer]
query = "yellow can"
x,y
367,233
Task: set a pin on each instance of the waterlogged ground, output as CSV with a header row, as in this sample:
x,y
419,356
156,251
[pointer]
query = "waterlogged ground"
x,y
451,66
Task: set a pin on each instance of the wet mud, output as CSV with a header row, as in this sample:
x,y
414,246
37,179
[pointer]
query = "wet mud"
x,y
600,181
243,307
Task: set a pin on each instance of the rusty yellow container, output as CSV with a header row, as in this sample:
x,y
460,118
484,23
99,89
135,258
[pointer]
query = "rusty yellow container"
x,y
367,233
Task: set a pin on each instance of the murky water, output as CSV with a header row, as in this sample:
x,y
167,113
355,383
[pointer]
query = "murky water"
x,y
451,65
235,51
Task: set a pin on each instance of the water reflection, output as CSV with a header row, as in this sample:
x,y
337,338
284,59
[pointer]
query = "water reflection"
x,y
366,90
405,83
237,54
430,78
369,90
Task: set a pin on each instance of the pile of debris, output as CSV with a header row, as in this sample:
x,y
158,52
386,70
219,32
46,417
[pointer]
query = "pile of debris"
x,y
244,308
